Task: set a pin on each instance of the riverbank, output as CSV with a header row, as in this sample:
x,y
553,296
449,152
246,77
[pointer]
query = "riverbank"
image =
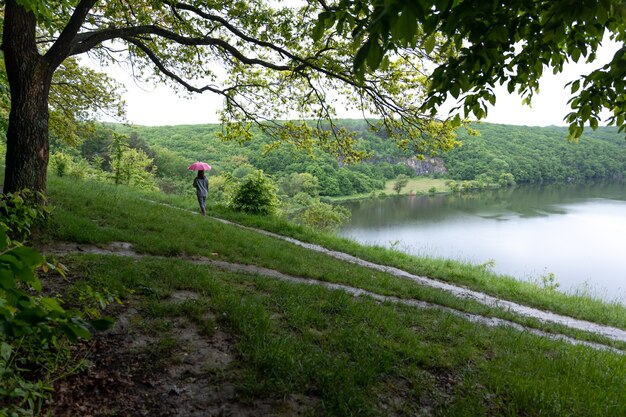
x,y
259,345
421,185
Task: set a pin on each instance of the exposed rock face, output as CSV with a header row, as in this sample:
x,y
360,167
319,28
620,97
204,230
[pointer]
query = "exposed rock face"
x,y
429,165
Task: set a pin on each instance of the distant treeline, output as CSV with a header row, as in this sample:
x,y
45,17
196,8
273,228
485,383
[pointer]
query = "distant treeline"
x,y
538,154
499,154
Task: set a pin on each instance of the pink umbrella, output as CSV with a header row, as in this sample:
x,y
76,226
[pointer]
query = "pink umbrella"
x,y
199,166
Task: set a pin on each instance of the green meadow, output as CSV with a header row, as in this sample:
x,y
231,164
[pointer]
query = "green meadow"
x,y
341,355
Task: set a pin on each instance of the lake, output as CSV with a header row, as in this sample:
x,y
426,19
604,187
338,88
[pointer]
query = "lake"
x,y
576,232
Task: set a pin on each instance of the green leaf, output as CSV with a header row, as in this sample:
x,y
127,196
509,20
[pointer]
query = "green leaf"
x,y
318,30
5,351
384,65
374,55
52,304
76,330
7,279
429,44
455,90
28,256
361,55
104,323
406,27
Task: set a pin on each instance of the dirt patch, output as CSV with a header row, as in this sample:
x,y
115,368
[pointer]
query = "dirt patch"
x,y
135,369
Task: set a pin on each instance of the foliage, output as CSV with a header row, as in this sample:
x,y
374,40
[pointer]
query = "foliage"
x,y
507,155
61,163
79,94
20,211
256,194
250,54
300,183
323,216
131,166
32,327
512,154
291,168
477,45
400,182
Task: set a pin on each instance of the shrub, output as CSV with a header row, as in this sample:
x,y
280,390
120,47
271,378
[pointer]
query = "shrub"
x,y
61,163
19,211
324,216
256,194
400,182
33,328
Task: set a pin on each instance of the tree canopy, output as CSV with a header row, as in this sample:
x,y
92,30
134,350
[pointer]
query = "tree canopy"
x,y
478,44
254,54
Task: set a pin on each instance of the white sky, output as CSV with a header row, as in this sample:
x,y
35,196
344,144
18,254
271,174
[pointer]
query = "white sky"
x,y
156,106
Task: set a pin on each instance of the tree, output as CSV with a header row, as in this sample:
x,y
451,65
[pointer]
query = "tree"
x,y
250,53
400,182
476,45
300,183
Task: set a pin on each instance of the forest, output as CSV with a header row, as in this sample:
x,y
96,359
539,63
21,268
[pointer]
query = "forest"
x,y
488,155
537,154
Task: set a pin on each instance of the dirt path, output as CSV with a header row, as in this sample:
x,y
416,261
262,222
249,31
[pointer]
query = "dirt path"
x,y
125,249
612,333
609,332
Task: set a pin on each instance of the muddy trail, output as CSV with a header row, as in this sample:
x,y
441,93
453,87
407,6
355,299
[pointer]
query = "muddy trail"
x,y
609,332
126,250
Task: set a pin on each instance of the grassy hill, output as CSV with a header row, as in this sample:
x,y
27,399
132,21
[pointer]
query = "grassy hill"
x,y
210,323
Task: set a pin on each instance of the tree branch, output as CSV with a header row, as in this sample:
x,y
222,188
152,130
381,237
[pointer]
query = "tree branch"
x,y
89,40
61,48
161,66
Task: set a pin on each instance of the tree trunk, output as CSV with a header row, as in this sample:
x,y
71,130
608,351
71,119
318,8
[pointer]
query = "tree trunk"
x,y
29,77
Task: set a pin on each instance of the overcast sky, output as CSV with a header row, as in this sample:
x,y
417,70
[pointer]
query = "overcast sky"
x,y
155,106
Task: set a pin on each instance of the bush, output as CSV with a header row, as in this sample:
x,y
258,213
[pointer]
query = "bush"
x,y
256,194
400,182
19,211
61,163
33,328
324,216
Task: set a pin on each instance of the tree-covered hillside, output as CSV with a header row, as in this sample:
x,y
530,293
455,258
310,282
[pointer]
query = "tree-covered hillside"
x,y
177,146
498,155
538,154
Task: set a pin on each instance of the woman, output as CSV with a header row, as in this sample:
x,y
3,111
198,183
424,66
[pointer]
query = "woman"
x,y
201,184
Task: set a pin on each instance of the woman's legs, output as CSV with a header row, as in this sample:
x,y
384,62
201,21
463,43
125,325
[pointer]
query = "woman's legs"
x,y
202,202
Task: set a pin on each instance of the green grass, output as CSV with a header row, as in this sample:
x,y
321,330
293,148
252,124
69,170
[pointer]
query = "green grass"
x,y
477,277
362,358
98,213
419,185
356,356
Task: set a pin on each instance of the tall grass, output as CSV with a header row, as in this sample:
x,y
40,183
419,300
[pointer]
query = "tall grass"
x,y
358,357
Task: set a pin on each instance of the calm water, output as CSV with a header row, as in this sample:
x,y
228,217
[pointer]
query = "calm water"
x,y
576,232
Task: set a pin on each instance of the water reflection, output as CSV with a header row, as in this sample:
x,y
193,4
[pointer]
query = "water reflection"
x,y
576,232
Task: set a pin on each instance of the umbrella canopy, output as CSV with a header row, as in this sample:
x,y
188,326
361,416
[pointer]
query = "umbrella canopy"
x,y
199,166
